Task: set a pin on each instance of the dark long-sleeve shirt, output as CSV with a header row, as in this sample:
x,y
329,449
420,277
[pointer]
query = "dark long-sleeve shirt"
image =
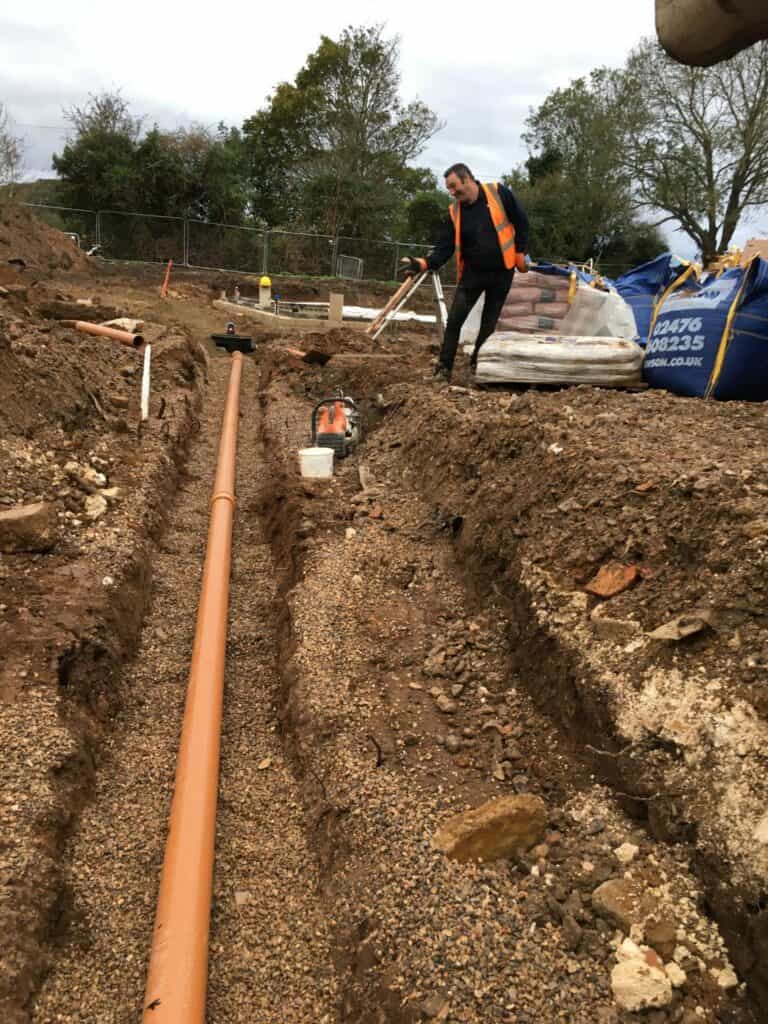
x,y
480,248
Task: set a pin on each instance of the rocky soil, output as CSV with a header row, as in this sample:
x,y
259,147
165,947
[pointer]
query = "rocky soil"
x,y
494,727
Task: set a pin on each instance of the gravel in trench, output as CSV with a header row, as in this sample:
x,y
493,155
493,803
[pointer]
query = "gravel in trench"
x,y
269,950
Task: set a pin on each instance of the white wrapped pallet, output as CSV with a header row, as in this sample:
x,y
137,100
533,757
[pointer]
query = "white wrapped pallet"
x,y
510,357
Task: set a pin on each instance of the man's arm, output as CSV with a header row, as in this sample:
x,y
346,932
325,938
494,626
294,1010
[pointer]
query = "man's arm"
x,y
517,215
439,254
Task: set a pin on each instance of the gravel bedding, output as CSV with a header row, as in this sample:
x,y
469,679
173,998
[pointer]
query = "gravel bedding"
x,y
269,955
70,616
383,626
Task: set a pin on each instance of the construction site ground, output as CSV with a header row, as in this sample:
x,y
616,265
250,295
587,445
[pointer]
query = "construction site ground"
x,y
409,640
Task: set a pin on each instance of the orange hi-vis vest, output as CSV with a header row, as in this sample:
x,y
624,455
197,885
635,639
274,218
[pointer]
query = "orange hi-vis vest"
x,y
505,230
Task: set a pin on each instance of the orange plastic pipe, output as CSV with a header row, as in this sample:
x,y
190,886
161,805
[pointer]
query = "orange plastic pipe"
x,y
126,337
164,288
178,966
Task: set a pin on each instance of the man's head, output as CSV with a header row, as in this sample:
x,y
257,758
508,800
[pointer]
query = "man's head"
x,y
461,183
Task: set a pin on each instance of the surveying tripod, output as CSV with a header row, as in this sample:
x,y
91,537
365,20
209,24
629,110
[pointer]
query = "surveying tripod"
x,y
402,295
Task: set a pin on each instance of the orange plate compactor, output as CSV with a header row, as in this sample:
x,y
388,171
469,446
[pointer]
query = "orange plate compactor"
x,y
336,424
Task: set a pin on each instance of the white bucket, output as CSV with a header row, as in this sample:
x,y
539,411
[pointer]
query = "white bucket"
x,y
316,463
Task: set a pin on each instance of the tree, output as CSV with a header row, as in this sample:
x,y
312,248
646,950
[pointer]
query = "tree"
x,y
565,227
191,172
107,113
331,150
696,140
575,187
98,162
676,144
424,215
10,151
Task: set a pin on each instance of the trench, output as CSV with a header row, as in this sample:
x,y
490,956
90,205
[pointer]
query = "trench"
x,y
576,713
285,838
85,678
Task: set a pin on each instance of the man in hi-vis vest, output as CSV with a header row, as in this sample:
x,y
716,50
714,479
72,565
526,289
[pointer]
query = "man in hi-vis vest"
x,y
488,230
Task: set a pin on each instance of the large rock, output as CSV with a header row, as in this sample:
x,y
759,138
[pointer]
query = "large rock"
x,y
623,902
86,477
638,986
496,829
95,506
28,528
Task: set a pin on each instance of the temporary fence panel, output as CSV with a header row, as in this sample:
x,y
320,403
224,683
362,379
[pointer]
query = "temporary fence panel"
x,y
225,247
293,252
350,267
144,237
83,223
377,256
128,235
710,339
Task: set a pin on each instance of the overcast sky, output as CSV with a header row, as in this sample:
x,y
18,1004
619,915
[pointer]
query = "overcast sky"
x,y
480,67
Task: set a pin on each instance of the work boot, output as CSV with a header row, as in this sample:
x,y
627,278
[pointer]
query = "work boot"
x,y
443,374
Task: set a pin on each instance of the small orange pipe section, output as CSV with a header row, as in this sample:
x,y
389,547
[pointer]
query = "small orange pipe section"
x,y
164,288
178,966
126,337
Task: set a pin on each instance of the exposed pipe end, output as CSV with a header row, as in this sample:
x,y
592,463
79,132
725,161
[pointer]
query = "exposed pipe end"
x,y
138,340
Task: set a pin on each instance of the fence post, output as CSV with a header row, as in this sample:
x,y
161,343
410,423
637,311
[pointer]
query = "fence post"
x,y
334,255
98,227
397,261
265,253
185,241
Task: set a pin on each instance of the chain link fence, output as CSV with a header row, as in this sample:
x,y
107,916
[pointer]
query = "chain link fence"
x,y
143,237
152,238
83,223
224,247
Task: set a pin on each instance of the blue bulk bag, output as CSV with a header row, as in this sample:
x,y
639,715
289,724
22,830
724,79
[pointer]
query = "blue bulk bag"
x,y
710,340
644,286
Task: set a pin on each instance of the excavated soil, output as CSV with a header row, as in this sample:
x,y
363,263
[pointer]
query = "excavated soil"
x,y
408,640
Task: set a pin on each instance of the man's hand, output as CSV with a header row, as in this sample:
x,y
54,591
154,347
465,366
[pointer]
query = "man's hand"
x,y
412,265
522,262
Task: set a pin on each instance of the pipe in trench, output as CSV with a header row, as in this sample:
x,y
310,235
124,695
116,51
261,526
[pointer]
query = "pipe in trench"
x,y
178,967
125,337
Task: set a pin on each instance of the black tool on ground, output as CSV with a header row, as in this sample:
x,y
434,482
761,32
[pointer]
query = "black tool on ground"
x,y
336,424
232,341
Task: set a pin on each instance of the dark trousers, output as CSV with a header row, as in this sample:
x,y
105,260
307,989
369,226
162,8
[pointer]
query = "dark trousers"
x,y
463,301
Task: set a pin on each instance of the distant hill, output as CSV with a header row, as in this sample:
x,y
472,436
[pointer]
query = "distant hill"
x,y
44,190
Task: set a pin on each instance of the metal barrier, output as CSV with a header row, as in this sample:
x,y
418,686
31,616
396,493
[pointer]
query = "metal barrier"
x,y
147,237
212,246
70,219
351,267
153,238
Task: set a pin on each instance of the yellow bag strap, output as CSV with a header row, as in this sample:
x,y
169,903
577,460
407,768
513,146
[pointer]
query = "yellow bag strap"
x,y
725,340
677,283
573,287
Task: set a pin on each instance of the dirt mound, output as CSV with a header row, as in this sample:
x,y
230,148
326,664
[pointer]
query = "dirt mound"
x,y
40,247
338,339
